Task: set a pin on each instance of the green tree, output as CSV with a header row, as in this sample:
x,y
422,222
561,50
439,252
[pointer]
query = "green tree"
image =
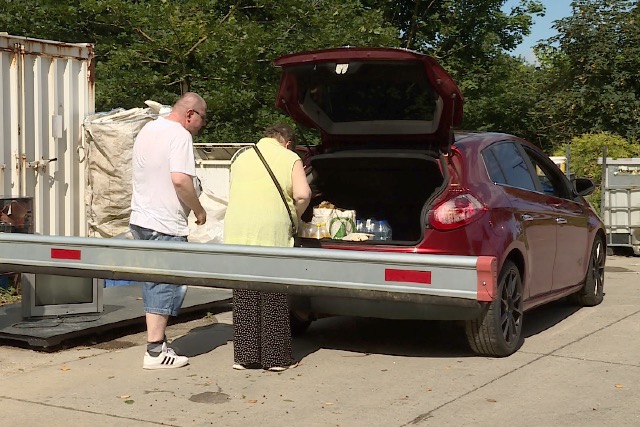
x,y
223,49
472,39
157,49
585,151
592,71
47,19
507,101
458,28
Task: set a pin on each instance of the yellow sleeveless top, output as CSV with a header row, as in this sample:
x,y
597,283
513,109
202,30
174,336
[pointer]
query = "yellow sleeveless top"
x,y
256,214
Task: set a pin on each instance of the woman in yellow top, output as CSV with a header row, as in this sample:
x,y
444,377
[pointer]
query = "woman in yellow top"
x,y
256,215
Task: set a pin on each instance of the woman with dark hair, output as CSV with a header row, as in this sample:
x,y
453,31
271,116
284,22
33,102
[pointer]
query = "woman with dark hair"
x,y
256,215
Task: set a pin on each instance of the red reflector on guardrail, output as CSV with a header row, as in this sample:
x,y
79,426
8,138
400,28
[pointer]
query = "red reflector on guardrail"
x,y
73,254
409,276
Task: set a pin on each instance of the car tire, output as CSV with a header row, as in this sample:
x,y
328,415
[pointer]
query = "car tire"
x,y
592,292
299,323
497,332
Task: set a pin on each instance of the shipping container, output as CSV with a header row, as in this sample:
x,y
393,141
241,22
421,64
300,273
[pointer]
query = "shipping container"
x,y
46,90
620,204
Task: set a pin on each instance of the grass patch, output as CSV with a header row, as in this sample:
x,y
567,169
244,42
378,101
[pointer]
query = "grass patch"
x,y
9,295
9,290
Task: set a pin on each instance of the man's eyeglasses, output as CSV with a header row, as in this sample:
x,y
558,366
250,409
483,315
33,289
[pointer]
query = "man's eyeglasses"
x,y
202,116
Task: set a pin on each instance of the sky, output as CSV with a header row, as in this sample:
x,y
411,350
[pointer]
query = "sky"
x,y
541,29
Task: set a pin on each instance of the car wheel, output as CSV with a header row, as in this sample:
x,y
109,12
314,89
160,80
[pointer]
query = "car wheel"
x,y
497,332
299,323
592,292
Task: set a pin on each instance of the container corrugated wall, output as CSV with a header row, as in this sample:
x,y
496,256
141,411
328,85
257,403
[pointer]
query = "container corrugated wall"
x,y
46,92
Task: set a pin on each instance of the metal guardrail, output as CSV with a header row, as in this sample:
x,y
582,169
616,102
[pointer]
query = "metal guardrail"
x,y
411,277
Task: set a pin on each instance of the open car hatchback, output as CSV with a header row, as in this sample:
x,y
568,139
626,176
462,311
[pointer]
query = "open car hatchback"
x,y
388,151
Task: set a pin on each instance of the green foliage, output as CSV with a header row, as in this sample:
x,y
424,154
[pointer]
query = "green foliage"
x,y
585,151
158,49
11,294
471,39
155,49
507,101
590,71
465,29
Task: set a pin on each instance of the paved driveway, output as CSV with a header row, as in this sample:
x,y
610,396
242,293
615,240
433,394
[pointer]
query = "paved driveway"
x,y
577,367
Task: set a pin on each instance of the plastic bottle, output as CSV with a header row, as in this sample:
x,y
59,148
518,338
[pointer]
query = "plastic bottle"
x,y
370,227
307,229
384,230
319,230
323,231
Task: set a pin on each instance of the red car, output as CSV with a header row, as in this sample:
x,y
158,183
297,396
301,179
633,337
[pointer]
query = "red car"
x,y
387,150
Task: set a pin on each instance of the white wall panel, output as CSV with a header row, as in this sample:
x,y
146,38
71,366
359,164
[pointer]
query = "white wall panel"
x,y
213,165
46,91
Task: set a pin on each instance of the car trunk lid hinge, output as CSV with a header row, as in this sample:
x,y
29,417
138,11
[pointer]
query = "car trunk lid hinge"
x,y
452,137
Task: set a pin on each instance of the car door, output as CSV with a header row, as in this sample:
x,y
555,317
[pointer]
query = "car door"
x,y
571,222
509,167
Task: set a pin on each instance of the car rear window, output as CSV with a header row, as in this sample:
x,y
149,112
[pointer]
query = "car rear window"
x,y
370,91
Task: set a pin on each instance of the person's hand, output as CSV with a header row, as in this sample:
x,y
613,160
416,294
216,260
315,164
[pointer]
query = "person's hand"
x,y
201,216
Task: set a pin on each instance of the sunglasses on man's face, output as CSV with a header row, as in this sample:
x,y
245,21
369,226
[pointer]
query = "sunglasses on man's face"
x,y
202,116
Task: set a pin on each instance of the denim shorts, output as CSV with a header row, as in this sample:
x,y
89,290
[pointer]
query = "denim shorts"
x,y
160,298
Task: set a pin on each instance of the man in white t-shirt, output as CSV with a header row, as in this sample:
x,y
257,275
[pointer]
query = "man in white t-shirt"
x,y
165,191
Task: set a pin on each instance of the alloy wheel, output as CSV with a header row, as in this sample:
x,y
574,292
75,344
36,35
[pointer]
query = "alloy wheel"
x,y
511,307
597,267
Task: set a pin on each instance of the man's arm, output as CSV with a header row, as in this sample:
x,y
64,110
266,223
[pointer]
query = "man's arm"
x,y
301,190
183,184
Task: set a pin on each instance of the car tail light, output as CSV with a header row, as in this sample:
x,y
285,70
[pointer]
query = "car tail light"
x,y
455,212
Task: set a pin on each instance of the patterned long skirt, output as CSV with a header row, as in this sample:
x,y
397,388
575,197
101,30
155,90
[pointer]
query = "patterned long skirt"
x,y
261,332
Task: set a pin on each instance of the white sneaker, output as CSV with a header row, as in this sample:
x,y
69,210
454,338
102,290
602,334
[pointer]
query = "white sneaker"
x,y
167,359
282,368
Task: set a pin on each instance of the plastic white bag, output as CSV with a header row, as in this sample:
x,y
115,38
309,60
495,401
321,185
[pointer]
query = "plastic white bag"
x,y
212,230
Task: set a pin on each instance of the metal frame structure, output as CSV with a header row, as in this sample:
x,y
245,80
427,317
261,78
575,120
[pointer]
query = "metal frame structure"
x,y
620,204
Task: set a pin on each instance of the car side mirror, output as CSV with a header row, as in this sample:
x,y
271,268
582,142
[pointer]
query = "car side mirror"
x,y
583,186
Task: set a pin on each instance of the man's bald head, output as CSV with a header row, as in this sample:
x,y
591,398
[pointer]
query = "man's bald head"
x,y
190,100
190,111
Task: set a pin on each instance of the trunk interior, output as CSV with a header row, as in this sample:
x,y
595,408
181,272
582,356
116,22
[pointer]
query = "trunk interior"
x,y
385,185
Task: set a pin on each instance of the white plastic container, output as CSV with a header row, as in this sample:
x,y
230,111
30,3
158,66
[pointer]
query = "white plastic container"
x,y
620,205
213,165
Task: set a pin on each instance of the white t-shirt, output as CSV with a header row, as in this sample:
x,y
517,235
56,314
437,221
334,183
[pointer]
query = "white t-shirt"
x,y
161,147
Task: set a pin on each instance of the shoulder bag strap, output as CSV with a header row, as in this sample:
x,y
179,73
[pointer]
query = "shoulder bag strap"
x,y
275,181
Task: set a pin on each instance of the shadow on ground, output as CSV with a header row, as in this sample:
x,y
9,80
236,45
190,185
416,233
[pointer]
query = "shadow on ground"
x,y
203,339
414,338
382,336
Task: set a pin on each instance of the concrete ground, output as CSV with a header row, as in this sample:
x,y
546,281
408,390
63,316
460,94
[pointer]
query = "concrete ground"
x,y
577,367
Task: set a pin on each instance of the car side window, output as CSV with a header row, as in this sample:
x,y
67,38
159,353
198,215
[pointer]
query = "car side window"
x,y
493,167
512,165
552,181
